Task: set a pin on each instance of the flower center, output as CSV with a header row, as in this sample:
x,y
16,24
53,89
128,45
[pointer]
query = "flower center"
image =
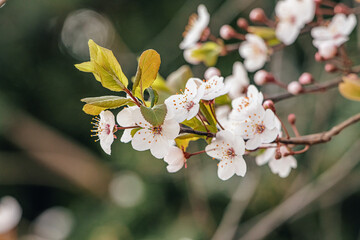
x,y
156,130
230,152
189,105
101,127
260,128
192,19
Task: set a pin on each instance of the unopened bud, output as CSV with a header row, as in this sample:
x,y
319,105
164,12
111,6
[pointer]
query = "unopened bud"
x,y
258,15
277,154
330,68
306,78
318,1
261,77
227,32
242,23
318,57
294,87
341,8
210,72
268,104
291,118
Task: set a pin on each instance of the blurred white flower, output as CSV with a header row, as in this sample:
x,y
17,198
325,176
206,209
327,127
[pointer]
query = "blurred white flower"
x,y
188,55
195,28
293,15
124,119
155,138
104,130
282,166
333,35
175,159
127,189
254,51
186,106
211,71
229,150
10,214
213,88
238,81
55,223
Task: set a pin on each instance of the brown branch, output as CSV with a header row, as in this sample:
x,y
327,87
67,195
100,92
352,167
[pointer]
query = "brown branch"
x,y
313,89
323,136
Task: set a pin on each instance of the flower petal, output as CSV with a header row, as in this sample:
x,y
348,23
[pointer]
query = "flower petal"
x,y
142,140
254,142
160,146
269,119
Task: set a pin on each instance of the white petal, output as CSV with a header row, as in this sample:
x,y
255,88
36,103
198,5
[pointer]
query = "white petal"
x,y
194,110
240,166
10,214
227,168
160,146
269,119
175,158
321,33
124,117
254,142
139,119
239,146
108,118
142,140
170,129
287,32
283,166
174,168
105,141
126,137
253,64
269,135
350,24
266,156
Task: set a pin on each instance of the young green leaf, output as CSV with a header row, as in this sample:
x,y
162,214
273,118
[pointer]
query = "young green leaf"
x,y
207,53
153,96
177,79
92,109
156,115
350,88
95,105
183,140
148,68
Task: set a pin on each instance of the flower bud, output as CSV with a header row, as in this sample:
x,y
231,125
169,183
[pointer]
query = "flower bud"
x,y
291,118
330,68
257,15
306,78
341,8
210,72
227,32
294,87
242,23
318,1
261,77
318,57
268,104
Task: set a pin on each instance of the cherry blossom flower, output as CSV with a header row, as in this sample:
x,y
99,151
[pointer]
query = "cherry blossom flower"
x,y
229,150
155,138
195,28
242,105
104,130
259,127
124,119
254,51
186,106
10,214
238,81
293,15
281,166
213,88
175,158
333,35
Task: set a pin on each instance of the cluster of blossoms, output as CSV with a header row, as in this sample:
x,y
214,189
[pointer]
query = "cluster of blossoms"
x,y
228,113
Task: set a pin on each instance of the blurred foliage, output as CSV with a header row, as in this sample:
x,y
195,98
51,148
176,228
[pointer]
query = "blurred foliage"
x,y
38,77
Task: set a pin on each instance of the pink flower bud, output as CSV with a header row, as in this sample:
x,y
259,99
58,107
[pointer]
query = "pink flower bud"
x,y
268,104
294,87
257,15
242,23
227,32
291,118
318,57
210,72
341,8
330,68
306,78
261,77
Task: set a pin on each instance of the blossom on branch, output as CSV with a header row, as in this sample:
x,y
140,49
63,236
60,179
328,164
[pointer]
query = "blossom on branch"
x,y
156,138
175,159
213,88
104,130
229,150
254,51
196,27
328,38
125,119
186,105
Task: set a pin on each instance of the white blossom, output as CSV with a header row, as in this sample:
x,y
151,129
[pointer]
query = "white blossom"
x,y
125,119
186,106
10,214
213,88
188,55
104,130
175,159
197,25
229,150
333,35
238,81
254,51
293,15
283,166
155,138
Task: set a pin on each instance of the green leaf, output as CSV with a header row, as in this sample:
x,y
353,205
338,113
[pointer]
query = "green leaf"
x,y
206,111
265,33
134,131
148,68
177,79
95,105
153,96
156,115
183,140
207,53
350,88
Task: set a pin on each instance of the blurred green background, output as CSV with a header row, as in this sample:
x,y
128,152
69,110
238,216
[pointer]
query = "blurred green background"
x,y
47,157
